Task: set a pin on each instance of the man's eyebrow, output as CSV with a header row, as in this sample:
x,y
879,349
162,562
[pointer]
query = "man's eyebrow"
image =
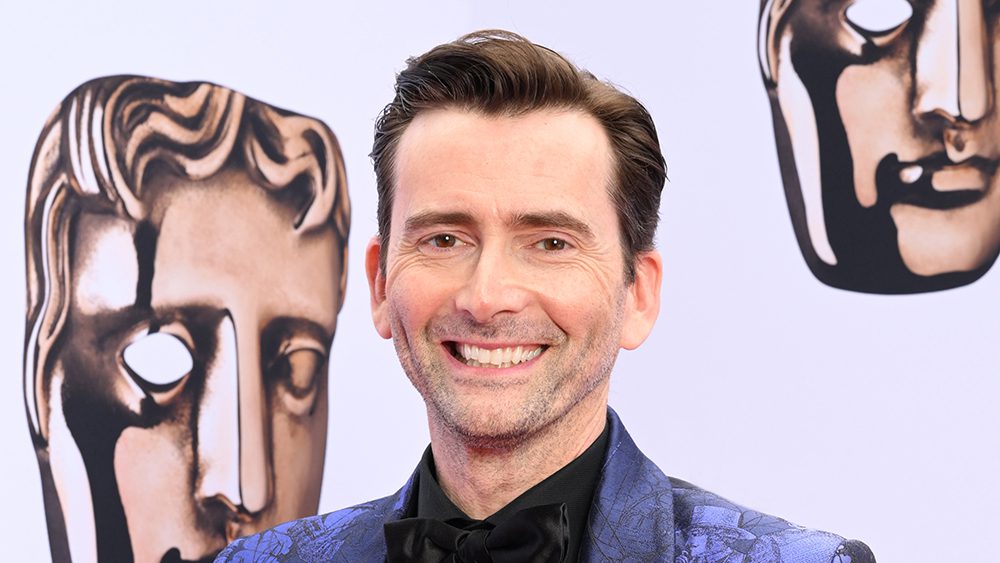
x,y
544,219
426,219
552,220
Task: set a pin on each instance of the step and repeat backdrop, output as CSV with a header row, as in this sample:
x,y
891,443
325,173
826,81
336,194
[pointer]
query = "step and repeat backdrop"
x,y
188,196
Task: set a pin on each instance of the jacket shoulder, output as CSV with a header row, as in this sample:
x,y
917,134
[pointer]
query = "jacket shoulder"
x,y
709,527
350,534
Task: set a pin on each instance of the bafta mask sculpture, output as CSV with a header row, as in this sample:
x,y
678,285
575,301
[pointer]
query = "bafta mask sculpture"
x,y
186,252
888,136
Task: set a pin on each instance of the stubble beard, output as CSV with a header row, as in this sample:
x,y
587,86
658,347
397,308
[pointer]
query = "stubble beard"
x,y
494,419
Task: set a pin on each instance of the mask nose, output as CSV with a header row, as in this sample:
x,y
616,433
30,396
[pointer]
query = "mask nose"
x,y
952,78
232,447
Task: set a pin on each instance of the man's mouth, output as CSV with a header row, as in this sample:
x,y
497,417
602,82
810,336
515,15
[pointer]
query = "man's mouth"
x,y
934,182
500,357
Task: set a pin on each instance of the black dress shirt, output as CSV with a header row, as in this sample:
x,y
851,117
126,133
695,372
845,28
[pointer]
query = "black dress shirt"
x,y
574,485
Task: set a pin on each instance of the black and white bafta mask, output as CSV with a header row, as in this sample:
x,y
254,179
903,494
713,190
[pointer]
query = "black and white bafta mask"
x,y
887,132
186,262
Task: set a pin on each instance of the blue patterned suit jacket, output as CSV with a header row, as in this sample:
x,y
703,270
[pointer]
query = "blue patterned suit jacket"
x,y
638,514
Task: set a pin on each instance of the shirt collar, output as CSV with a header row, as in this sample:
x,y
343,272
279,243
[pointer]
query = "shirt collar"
x,y
574,485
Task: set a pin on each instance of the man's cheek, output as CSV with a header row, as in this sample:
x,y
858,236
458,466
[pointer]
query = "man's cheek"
x,y
406,302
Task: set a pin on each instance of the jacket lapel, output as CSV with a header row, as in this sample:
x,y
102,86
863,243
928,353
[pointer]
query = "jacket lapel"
x,y
362,536
632,517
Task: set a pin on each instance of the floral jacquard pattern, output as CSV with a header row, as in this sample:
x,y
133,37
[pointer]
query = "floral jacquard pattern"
x,y
638,515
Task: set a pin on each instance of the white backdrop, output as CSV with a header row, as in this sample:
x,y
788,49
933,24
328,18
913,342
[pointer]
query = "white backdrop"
x,y
869,416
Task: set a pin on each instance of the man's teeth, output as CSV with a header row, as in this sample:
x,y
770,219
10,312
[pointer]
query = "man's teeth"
x,y
911,173
498,357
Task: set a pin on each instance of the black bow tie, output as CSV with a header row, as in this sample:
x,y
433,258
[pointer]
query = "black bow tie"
x,y
537,534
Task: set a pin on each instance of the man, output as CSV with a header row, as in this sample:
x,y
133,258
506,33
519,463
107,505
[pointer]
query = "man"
x,y
518,200
886,125
186,251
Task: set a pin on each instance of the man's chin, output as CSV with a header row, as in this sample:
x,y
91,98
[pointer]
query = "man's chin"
x,y
486,422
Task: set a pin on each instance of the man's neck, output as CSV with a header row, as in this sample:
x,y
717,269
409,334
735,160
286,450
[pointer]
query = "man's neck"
x,y
482,480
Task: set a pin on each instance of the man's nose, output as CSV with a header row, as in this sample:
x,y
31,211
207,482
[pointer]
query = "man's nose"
x,y
232,446
493,284
952,77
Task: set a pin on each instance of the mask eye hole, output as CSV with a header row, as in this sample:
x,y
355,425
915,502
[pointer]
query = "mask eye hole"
x,y
157,361
878,17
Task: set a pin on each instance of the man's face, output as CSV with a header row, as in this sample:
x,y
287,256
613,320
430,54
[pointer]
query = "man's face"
x,y
192,371
894,139
504,287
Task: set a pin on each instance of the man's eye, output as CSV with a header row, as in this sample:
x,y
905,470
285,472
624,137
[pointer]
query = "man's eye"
x,y
444,241
877,17
157,361
552,244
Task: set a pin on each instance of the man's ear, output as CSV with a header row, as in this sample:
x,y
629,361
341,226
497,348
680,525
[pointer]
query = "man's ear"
x,y
642,301
376,287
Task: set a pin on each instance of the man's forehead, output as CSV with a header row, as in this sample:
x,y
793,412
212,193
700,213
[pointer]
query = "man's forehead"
x,y
542,169
528,153
437,133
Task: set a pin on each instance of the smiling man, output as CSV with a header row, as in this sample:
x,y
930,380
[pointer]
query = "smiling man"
x,y
518,201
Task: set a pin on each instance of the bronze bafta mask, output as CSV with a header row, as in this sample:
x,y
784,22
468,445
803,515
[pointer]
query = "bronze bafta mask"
x,y
186,250
887,132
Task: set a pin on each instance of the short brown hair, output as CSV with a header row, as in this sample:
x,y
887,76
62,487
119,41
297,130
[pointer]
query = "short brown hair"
x,y
499,73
